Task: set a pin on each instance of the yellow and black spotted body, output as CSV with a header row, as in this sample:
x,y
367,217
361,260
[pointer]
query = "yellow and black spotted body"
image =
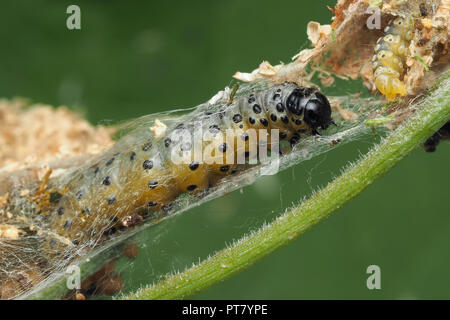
x,y
137,179
390,56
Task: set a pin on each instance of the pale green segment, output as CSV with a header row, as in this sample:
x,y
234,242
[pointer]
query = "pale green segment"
x,y
379,121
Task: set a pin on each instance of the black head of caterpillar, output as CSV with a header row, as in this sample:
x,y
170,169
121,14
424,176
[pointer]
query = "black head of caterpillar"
x,y
314,106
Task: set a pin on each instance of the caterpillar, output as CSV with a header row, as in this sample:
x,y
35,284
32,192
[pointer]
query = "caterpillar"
x,y
388,62
138,179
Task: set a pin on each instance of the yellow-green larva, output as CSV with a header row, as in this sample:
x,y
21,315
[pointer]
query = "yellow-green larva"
x,y
390,57
137,179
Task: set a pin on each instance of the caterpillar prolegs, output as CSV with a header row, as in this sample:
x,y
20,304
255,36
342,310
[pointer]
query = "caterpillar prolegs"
x,y
138,178
390,56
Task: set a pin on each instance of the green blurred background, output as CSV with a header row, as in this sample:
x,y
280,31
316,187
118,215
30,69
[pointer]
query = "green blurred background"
x,y
138,57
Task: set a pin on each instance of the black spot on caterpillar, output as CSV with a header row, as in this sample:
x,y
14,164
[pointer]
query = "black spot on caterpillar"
x,y
138,176
390,56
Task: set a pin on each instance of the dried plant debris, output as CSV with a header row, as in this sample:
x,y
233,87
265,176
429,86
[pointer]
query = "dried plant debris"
x,y
28,135
36,137
346,48
36,141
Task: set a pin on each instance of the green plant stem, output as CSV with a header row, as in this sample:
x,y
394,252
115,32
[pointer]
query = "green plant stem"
x,y
430,115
